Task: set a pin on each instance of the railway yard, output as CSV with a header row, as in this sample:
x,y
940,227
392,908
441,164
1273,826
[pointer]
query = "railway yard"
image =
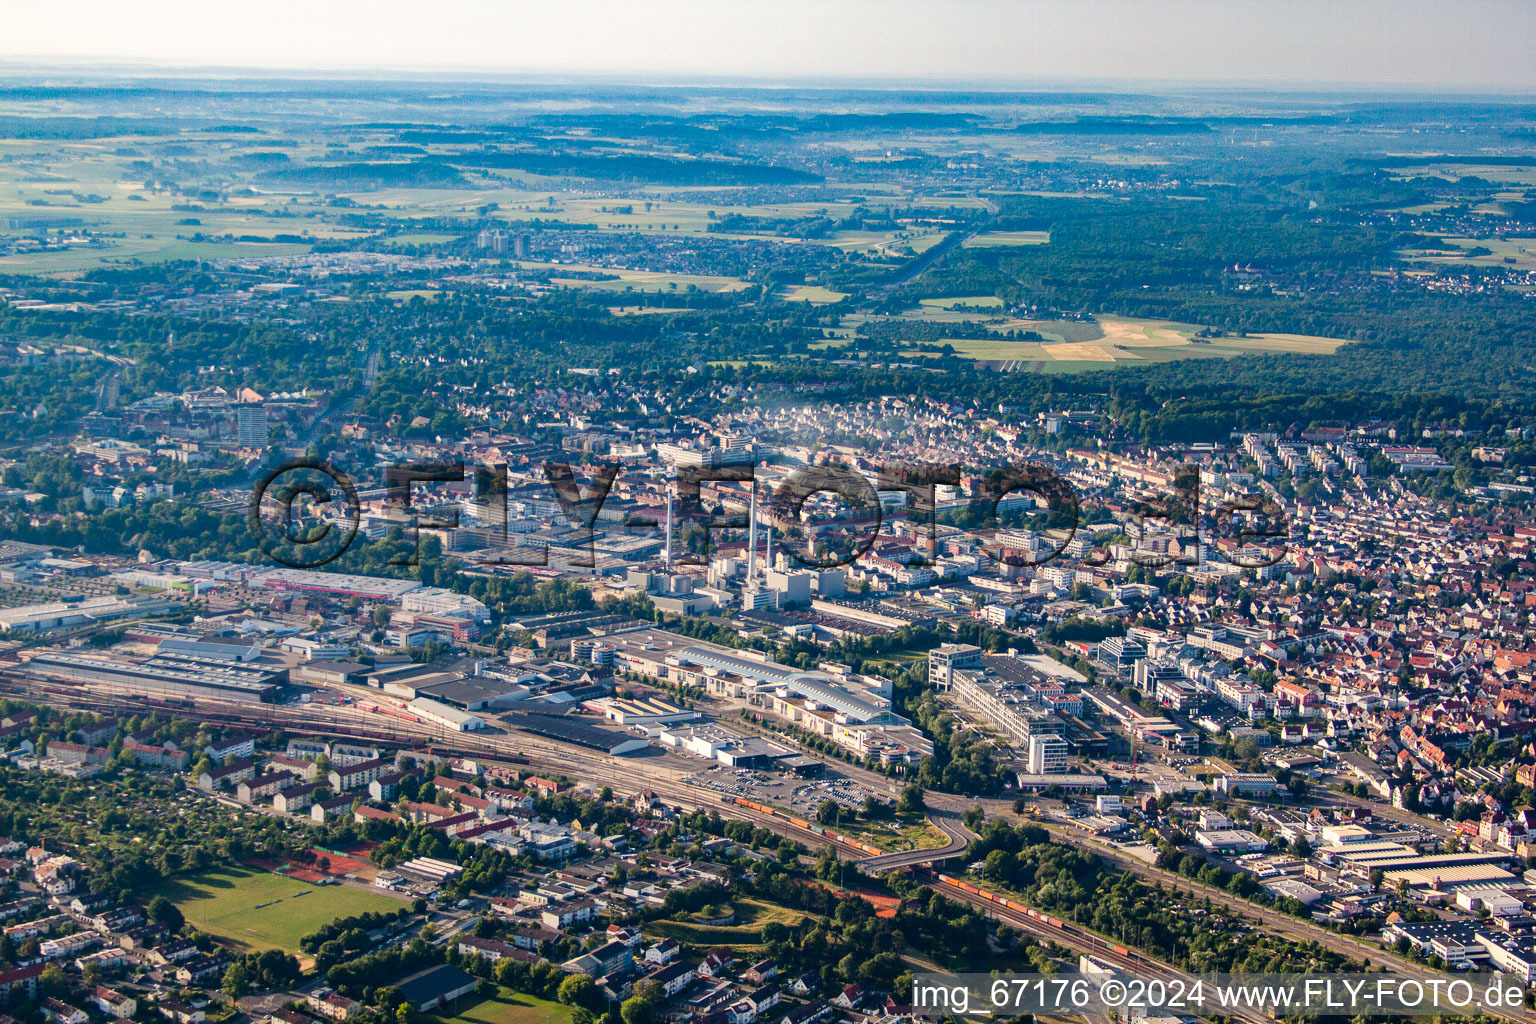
x,y
676,779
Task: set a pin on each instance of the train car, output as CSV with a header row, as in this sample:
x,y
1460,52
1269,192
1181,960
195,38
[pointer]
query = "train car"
x,y
1121,950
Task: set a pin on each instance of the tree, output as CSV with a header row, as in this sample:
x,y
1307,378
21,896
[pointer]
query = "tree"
x,y
637,1010
237,980
577,990
911,799
163,912
54,981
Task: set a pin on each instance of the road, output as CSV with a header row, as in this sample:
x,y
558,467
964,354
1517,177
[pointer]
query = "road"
x,y
310,434
631,775
952,241
947,822
1265,917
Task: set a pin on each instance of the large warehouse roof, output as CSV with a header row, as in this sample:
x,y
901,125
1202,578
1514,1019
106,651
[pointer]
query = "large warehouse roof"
x,y
336,583
1465,874
817,686
569,730
169,672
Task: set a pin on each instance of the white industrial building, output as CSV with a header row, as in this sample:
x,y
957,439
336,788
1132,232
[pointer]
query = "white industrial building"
x,y
445,715
438,601
40,618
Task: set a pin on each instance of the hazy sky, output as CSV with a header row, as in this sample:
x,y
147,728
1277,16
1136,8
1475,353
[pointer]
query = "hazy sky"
x,y
1386,42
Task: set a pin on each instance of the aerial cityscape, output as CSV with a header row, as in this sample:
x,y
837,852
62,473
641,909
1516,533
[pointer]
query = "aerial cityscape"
x,y
487,546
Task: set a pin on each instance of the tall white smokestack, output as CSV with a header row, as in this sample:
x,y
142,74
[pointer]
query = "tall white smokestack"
x,y
768,552
752,537
669,524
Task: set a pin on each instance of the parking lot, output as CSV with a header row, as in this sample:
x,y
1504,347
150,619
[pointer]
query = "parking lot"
x,y
781,789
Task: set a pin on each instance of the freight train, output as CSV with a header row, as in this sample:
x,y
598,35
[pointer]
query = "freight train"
x,y
809,826
1019,908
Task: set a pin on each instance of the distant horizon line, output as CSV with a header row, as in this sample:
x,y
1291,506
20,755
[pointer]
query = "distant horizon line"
x,y
70,66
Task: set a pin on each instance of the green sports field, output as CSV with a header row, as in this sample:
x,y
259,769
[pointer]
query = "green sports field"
x,y
508,1007
260,910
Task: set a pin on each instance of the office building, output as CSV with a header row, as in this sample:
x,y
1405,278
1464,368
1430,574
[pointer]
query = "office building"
x,y
1047,755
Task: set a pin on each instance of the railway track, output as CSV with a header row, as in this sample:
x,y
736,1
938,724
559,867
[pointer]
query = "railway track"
x,y
1063,933
1288,927
522,751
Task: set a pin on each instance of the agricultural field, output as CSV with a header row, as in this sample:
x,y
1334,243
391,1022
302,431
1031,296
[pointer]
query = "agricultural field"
x,y
1517,253
984,309
92,191
661,214
646,310
260,910
508,1007
814,294
1522,174
633,280
134,251
1118,341
421,238
998,238
118,202
949,303
895,244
